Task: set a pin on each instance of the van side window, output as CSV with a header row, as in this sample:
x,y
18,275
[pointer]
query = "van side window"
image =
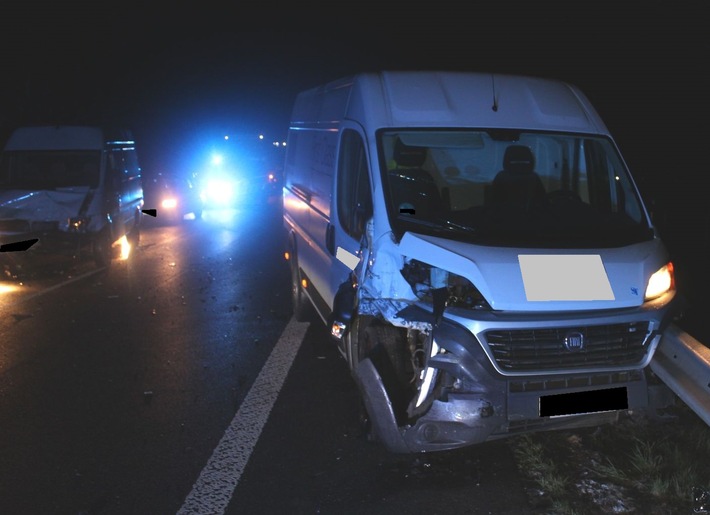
x,y
117,162
124,160
354,194
131,159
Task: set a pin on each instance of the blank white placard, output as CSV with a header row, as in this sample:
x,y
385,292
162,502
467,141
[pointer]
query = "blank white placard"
x,y
564,277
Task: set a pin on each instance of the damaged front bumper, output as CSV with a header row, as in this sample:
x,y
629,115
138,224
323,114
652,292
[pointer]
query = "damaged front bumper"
x,y
461,420
482,404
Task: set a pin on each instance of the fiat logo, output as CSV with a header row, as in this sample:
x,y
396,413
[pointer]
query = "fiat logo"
x,y
574,341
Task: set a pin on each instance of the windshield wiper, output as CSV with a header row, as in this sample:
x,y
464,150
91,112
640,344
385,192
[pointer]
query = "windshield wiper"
x,y
440,224
459,227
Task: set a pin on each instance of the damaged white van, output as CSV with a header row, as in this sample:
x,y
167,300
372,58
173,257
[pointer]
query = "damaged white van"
x,y
71,187
477,247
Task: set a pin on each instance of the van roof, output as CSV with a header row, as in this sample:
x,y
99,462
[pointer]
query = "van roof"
x,y
62,137
448,99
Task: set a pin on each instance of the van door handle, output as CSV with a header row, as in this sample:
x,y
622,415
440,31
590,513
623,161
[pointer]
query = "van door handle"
x,y
330,239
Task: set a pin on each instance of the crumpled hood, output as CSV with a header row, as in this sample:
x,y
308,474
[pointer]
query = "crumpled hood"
x,y
41,205
521,279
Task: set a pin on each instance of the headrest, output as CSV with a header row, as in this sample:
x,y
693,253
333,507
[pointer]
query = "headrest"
x,y
404,155
518,159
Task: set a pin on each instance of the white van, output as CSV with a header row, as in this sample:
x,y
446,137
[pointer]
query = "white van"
x,y
480,252
70,187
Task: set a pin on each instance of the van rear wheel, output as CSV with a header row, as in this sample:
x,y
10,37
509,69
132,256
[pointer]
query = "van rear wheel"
x,y
101,248
301,305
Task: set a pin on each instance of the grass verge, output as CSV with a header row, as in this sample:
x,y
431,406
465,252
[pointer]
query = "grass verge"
x,y
637,465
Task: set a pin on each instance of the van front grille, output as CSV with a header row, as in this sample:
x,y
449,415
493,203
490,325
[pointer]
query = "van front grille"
x,y
575,381
527,350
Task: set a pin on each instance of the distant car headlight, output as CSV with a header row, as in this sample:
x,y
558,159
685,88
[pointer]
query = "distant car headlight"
x,y
169,203
660,282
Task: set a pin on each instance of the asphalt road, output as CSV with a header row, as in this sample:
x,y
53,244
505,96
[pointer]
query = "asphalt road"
x,y
131,390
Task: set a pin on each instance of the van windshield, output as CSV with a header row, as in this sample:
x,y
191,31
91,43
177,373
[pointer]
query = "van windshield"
x,y
49,170
511,188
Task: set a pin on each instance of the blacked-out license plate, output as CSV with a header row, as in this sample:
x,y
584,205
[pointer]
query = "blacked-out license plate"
x,y
609,399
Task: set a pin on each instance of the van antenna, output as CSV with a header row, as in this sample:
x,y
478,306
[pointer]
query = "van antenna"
x,y
495,99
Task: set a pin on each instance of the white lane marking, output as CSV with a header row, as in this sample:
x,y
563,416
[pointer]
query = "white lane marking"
x,y
213,489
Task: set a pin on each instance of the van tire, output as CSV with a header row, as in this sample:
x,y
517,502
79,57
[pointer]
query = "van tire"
x,y
101,248
380,343
302,310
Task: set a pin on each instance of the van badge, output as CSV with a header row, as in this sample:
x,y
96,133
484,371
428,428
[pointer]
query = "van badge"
x,y
574,341
635,291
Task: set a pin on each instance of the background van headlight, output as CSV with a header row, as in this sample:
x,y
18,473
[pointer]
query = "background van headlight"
x,y
169,203
660,282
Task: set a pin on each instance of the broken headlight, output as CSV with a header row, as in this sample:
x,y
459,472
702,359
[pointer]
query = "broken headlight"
x,y
424,278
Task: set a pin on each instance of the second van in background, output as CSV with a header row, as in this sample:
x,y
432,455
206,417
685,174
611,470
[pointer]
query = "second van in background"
x,y
72,187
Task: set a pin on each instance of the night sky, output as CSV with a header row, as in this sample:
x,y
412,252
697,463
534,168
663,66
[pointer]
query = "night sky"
x,y
179,75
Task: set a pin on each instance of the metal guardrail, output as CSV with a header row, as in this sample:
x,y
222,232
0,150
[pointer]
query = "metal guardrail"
x,y
683,364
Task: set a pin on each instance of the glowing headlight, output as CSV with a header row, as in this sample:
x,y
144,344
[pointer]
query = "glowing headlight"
x,y
660,282
169,203
220,191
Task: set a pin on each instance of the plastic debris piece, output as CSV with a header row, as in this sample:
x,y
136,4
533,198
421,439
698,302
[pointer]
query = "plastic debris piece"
x,y
701,500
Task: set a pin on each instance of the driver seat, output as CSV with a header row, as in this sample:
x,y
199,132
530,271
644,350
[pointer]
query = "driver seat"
x,y
413,187
517,184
